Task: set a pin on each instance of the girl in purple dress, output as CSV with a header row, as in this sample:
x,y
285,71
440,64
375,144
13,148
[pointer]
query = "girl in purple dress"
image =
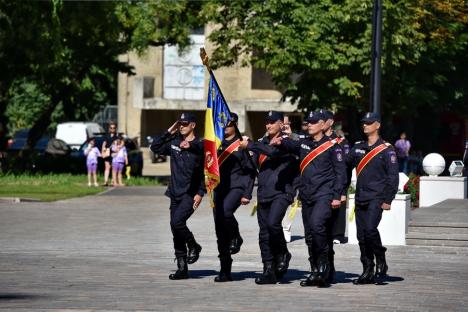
x,y
119,161
92,153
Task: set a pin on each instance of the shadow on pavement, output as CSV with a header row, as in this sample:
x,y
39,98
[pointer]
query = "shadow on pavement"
x,y
19,296
296,237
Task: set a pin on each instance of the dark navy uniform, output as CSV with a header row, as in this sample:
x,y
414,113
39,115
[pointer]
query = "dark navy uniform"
x,y
376,184
237,176
187,180
321,182
276,173
275,193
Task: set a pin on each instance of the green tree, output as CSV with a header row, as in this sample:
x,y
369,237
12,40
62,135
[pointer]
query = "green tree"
x,y
318,52
68,50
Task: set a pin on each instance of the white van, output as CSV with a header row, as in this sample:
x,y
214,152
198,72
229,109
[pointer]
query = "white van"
x,y
76,133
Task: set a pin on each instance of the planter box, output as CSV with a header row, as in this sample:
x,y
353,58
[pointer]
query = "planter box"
x,y
393,226
433,190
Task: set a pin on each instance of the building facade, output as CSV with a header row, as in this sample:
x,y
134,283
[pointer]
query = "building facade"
x,y
167,83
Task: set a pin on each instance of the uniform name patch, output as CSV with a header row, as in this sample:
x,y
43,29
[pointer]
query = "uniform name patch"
x,y
360,151
305,147
176,148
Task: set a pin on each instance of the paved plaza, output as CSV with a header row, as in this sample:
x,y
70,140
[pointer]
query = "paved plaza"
x,y
113,252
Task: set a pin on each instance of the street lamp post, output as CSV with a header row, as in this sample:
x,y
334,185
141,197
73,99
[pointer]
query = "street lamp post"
x,y
374,104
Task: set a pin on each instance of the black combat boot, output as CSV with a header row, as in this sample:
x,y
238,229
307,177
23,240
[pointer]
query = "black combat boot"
x,y
323,269
367,276
381,267
182,269
268,276
225,272
311,280
194,250
236,244
282,264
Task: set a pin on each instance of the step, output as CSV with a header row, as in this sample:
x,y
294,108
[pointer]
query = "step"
x,y
437,236
435,242
438,229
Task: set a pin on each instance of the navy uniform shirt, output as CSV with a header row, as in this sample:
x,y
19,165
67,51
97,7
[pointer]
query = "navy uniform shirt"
x,y
236,171
325,176
379,179
276,174
186,165
344,144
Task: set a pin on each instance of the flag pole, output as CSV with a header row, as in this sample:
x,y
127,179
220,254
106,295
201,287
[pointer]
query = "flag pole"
x,y
206,61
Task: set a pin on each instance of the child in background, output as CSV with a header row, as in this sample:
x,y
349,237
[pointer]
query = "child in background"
x,y
92,153
119,161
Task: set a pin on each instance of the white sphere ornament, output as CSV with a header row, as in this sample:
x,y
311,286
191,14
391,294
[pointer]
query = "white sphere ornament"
x,y
434,164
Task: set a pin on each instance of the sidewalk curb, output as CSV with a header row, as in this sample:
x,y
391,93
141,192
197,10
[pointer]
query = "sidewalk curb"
x,y
15,200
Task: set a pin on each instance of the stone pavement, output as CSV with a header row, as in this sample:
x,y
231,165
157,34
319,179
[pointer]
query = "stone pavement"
x,y
113,252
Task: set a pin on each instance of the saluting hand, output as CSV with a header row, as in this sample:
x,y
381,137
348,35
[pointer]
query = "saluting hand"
x,y
245,201
276,141
244,142
196,201
386,206
335,204
173,129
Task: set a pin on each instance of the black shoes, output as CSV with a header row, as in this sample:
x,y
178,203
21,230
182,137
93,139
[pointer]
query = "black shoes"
x,y
194,250
319,274
381,268
268,276
236,244
282,264
367,276
182,270
225,272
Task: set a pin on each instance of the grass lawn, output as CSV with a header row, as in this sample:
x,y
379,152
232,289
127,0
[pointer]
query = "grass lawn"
x,y
55,186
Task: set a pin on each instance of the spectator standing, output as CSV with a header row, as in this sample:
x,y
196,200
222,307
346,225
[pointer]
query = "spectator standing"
x,y
92,153
119,161
402,147
106,151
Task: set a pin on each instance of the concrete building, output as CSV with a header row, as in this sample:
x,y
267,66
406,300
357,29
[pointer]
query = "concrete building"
x,y
167,83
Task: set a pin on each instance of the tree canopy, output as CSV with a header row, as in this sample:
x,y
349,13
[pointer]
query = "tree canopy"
x,y
318,52
59,59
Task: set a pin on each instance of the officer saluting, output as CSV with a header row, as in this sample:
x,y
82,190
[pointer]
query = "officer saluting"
x,y
323,177
237,177
377,183
186,188
277,170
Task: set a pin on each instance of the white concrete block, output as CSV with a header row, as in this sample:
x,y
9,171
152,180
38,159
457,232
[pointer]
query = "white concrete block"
x,y
393,226
433,189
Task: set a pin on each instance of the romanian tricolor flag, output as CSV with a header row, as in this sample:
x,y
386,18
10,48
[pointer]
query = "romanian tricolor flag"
x,y
216,118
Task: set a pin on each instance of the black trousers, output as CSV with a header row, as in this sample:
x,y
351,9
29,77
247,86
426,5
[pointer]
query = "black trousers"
x,y
181,210
316,218
336,228
271,238
226,225
368,216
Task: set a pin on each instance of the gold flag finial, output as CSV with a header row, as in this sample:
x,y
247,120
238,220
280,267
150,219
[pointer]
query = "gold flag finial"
x,y
204,58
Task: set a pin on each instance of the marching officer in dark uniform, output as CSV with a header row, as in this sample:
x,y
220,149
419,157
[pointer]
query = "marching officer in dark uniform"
x,y
323,178
337,225
277,170
186,188
237,176
377,183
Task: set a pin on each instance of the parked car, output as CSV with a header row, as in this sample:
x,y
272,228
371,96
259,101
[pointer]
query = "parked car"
x,y
19,139
135,156
76,133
